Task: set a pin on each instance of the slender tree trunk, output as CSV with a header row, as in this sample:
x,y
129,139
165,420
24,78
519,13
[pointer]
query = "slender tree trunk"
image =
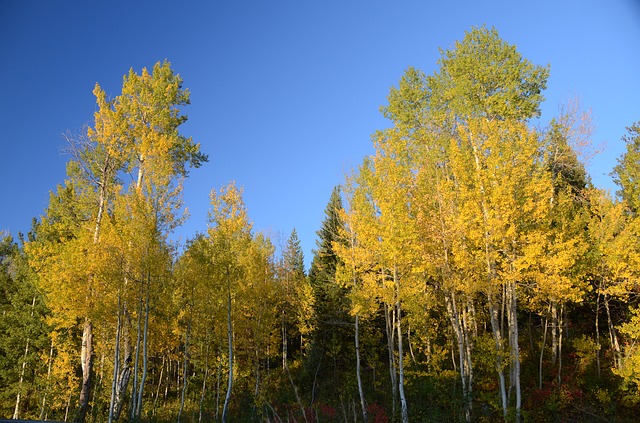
x,y
554,332
219,376
284,340
184,372
598,334
390,326
16,411
559,378
491,276
87,366
133,405
544,342
116,359
513,342
363,404
100,386
125,364
167,385
468,315
315,376
86,351
295,392
66,410
204,382
497,337
403,400
463,352
227,399
46,390
613,338
145,357
155,400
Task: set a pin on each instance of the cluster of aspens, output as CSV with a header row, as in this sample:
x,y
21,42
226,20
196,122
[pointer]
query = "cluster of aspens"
x,y
470,247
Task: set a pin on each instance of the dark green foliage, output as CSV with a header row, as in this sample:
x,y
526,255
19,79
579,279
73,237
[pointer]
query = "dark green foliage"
x,y
295,357
23,333
627,173
332,341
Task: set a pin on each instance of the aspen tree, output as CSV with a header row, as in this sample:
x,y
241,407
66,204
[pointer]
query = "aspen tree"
x,y
229,234
259,315
491,164
69,236
483,91
137,130
158,155
611,233
558,259
390,235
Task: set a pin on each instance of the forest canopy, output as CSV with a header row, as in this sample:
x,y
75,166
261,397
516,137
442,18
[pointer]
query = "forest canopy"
x,y
467,270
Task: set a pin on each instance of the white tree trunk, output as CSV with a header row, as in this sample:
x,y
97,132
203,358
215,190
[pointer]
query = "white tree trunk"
x,y
227,399
116,360
184,373
403,400
145,358
390,326
513,342
363,403
497,338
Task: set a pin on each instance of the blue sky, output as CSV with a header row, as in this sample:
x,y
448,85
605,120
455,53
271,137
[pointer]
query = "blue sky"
x,y
284,94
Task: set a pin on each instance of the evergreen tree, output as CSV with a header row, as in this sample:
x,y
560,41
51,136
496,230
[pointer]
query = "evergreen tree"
x,y
627,173
331,347
24,336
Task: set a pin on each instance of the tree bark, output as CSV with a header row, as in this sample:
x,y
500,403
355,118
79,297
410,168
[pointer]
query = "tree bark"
x,y
613,338
390,326
513,342
46,391
497,337
133,404
225,410
403,400
184,373
544,342
559,377
116,359
204,381
597,324
464,353
125,364
145,357
86,354
554,332
16,411
363,404
155,400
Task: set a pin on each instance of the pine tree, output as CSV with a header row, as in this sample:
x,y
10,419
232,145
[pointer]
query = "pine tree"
x,y
23,333
330,347
626,173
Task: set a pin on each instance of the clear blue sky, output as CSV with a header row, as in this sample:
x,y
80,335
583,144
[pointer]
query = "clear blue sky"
x,y
285,94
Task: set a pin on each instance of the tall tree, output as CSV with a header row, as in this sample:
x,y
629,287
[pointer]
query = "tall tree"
x,y
23,332
136,131
331,310
229,236
297,305
486,89
627,173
